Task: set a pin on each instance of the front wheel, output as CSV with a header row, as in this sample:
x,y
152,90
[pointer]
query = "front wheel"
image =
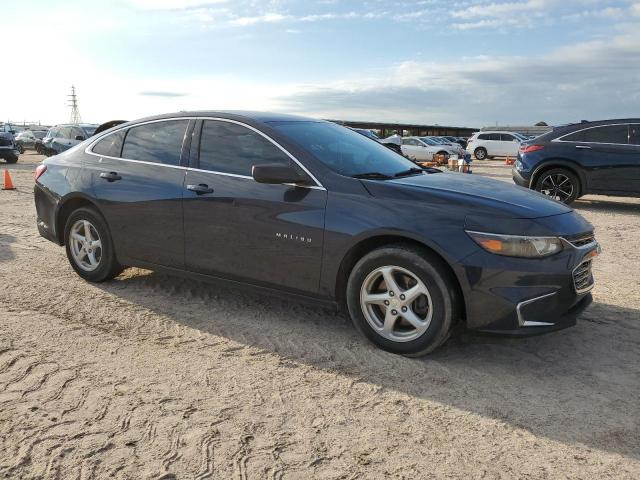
x,y
559,184
89,247
402,299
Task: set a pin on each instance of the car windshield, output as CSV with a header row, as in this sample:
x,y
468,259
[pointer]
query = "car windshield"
x,y
89,131
429,141
345,151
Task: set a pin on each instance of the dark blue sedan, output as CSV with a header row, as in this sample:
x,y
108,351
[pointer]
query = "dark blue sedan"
x,y
319,212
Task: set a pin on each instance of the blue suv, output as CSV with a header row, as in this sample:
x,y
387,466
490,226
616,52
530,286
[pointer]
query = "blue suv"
x,y
590,157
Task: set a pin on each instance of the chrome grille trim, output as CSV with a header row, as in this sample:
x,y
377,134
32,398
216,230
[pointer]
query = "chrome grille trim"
x,y
582,240
583,277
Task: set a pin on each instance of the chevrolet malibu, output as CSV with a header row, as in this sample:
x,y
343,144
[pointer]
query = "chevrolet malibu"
x,y
317,211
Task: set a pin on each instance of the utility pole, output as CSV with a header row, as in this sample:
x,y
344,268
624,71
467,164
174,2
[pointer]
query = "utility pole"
x,y
73,103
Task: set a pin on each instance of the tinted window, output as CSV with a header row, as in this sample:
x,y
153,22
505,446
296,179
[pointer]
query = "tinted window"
x,y
608,134
634,134
410,141
230,148
158,142
343,150
489,136
111,145
506,137
77,132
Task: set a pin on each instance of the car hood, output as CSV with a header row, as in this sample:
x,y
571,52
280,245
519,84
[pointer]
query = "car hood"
x,y
483,193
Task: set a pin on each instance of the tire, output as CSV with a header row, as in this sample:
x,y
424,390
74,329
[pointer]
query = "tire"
x,y
20,148
480,153
106,265
560,184
436,310
11,159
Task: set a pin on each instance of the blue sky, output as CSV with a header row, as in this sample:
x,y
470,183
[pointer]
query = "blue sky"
x,y
460,62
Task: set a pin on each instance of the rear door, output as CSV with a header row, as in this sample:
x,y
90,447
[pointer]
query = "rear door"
x,y
610,159
137,176
238,228
509,145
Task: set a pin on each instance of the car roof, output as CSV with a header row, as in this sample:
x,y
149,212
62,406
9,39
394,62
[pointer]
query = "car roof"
x,y
574,127
260,117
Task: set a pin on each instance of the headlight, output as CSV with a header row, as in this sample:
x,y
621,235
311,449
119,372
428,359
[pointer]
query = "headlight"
x,y
517,246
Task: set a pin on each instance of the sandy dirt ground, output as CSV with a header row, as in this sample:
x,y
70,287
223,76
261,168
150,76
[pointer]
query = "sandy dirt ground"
x,y
150,376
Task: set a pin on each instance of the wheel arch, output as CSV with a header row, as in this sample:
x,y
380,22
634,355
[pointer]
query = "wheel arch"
x,y
366,245
550,164
66,207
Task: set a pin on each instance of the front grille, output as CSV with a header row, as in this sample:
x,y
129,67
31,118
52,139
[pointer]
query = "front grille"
x,y
5,142
581,240
583,277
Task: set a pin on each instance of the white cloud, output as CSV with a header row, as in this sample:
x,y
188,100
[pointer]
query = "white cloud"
x,y
596,79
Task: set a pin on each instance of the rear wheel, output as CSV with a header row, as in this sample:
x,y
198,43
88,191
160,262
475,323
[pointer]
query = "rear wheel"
x,y
480,153
89,247
559,184
402,299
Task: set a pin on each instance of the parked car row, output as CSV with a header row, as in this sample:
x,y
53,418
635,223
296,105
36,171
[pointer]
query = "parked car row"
x,y
28,139
423,149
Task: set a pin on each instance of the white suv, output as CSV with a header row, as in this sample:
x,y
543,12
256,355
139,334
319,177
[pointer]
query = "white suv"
x,y
494,144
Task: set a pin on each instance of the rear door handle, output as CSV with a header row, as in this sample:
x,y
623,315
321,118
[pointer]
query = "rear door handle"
x,y
110,176
584,147
200,189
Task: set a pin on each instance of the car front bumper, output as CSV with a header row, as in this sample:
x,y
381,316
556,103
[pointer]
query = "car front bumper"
x,y
516,296
519,179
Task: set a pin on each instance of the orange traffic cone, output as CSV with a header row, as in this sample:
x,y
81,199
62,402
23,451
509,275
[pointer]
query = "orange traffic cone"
x,y
8,183
510,161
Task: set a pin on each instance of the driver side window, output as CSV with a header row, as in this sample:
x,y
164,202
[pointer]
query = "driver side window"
x,y
230,148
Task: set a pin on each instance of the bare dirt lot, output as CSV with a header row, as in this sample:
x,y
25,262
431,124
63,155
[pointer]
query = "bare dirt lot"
x,y
150,376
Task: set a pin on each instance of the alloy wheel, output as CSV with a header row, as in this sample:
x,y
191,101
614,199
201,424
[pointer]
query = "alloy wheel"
x,y
557,186
86,245
396,303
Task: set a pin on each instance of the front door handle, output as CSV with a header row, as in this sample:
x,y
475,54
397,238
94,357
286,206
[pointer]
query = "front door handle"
x,y
110,176
584,147
200,189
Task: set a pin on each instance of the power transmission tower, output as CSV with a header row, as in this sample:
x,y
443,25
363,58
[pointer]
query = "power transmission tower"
x,y
73,103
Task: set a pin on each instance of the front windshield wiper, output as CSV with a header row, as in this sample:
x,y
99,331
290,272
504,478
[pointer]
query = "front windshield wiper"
x,y
411,171
372,176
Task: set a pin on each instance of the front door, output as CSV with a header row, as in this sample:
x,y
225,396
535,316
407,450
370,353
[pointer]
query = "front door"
x,y
140,190
237,228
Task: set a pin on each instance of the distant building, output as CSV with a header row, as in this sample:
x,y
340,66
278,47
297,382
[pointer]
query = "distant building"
x,y
527,130
384,130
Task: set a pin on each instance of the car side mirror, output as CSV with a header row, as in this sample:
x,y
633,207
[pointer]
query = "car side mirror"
x,y
79,137
276,174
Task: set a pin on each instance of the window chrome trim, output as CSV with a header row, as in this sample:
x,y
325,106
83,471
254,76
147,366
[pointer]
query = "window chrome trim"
x,y
89,148
560,139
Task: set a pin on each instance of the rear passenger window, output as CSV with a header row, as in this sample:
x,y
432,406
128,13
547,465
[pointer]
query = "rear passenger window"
x,y
507,137
111,145
609,134
230,148
158,142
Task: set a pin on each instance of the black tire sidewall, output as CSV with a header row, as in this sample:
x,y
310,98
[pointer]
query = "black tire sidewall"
x,y
572,177
109,266
432,275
